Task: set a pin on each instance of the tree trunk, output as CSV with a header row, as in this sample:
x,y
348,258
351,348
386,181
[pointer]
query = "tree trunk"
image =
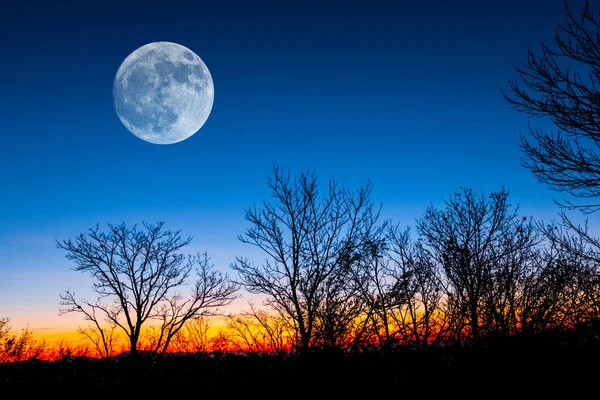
x,y
475,325
133,340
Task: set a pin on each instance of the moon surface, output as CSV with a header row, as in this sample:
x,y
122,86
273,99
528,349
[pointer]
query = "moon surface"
x,y
163,92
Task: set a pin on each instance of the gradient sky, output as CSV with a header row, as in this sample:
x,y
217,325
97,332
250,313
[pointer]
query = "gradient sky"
x,y
404,93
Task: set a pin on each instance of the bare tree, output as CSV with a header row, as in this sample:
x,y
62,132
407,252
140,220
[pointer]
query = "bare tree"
x,y
375,284
137,276
562,290
337,317
194,337
417,290
19,347
563,85
63,350
477,241
309,240
259,331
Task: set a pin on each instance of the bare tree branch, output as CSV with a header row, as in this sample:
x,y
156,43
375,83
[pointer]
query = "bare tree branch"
x,y
137,274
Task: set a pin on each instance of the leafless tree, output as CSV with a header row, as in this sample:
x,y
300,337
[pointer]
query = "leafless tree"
x,y
375,281
63,350
417,290
259,331
562,290
18,347
309,240
477,241
137,276
562,85
194,337
337,317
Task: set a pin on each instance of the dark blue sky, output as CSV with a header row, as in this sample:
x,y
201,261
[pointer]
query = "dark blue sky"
x,y
406,94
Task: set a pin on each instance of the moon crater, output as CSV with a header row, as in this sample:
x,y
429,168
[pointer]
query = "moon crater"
x,y
163,93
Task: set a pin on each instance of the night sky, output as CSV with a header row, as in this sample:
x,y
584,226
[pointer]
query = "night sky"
x,y
405,94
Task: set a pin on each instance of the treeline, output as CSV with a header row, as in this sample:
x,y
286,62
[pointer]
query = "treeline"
x,y
335,276
471,271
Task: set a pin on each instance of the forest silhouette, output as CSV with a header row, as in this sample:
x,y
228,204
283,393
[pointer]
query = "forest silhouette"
x,y
475,295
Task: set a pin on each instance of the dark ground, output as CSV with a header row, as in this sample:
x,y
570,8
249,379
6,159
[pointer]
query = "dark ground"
x,y
561,367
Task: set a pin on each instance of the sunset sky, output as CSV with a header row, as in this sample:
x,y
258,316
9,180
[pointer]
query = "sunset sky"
x,y
404,93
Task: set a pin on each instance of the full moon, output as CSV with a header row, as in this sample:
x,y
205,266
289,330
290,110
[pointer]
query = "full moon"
x,y
163,93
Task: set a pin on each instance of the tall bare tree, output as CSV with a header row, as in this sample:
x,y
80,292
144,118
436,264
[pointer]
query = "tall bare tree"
x,y
562,86
137,277
478,243
309,239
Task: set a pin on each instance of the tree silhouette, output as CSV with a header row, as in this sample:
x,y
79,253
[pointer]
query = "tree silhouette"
x,y
18,347
562,290
258,331
417,290
137,275
480,245
194,337
374,282
563,85
311,242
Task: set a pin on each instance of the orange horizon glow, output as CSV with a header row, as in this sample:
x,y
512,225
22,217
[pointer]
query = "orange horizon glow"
x,y
217,334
